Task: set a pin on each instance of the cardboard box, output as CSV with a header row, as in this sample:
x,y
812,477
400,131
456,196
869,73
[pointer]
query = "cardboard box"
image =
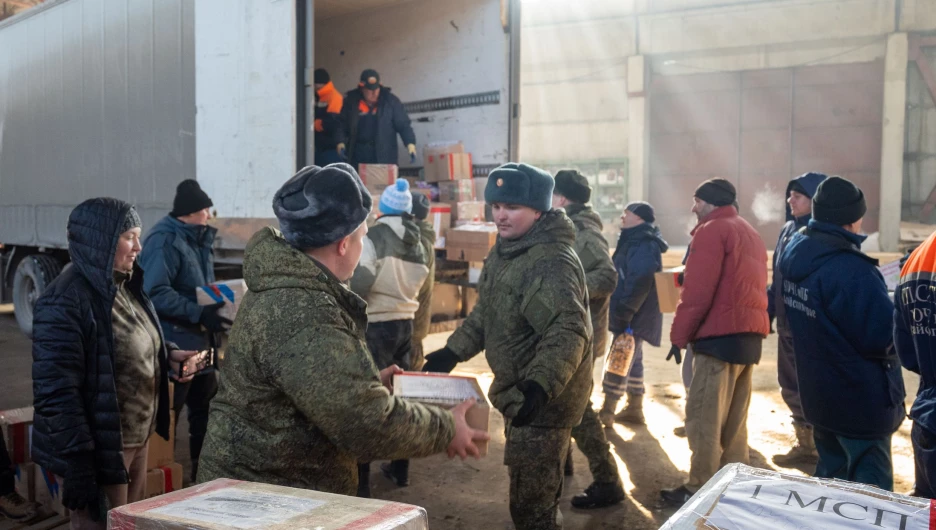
x,y
229,291
469,211
474,271
17,433
668,289
479,184
447,391
446,300
48,491
440,215
457,191
451,166
164,479
225,504
24,478
471,242
376,177
159,452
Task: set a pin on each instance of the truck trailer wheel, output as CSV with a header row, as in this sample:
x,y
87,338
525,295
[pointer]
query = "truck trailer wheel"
x,y
33,275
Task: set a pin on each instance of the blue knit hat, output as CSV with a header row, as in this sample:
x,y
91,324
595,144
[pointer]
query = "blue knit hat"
x,y
396,199
521,184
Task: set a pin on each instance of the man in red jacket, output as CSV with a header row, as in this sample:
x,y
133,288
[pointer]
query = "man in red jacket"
x,y
722,312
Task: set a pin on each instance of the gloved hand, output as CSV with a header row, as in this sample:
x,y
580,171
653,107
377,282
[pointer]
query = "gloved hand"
x,y
212,321
80,489
441,361
342,152
318,126
674,352
412,153
535,399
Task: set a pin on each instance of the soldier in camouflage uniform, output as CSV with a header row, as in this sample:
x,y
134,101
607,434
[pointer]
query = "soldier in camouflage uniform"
x,y
532,320
423,317
572,193
301,401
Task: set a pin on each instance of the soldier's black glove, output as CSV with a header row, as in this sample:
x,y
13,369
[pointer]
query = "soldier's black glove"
x,y
80,489
441,361
212,321
674,352
535,399
680,279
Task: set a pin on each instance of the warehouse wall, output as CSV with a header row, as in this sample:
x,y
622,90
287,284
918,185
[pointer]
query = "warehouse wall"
x,y
920,145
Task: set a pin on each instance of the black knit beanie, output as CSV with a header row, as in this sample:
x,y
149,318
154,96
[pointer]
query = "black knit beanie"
x,y
521,184
420,206
189,199
839,202
641,209
573,186
717,192
132,220
321,205
320,76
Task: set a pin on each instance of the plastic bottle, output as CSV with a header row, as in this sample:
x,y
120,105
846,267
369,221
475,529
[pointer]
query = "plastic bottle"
x,y
621,354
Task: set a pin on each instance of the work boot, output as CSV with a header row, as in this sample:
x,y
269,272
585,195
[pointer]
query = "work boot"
x,y
633,411
606,414
676,497
14,507
599,495
363,476
569,465
397,471
803,452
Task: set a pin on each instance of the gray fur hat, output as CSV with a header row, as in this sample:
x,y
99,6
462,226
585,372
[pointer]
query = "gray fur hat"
x,y
521,184
321,205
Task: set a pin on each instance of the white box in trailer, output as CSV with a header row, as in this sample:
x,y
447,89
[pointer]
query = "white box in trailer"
x,y
126,98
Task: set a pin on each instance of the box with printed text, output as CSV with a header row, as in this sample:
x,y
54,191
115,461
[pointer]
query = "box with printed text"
x,y
231,292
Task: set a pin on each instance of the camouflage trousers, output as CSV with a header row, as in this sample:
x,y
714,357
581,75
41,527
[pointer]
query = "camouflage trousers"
x,y
535,458
591,440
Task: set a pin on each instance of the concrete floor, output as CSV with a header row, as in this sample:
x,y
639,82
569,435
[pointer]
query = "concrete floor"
x,y
473,494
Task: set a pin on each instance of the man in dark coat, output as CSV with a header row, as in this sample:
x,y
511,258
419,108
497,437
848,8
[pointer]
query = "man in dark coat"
x,y
178,259
572,192
800,192
634,307
841,317
327,125
80,351
371,118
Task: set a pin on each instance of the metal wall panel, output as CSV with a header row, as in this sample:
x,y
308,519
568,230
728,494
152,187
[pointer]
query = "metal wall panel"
x,y
759,129
96,98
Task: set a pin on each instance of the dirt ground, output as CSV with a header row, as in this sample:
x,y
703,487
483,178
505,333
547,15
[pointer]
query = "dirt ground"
x,y
473,494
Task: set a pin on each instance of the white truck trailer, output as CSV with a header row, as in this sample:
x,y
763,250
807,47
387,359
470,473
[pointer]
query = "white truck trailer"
x,y
126,98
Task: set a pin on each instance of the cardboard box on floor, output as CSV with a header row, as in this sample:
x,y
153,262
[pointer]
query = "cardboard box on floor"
x,y
16,425
159,452
225,504
471,242
230,291
447,391
48,491
444,161
668,289
164,479
376,177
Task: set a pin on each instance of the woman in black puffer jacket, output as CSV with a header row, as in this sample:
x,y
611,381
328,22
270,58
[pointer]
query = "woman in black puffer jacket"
x,y
100,366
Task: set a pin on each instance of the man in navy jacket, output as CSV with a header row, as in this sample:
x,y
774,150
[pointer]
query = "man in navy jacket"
x,y
800,192
915,339
840,314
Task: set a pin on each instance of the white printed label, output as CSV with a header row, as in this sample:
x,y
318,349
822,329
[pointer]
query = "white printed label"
x,y
239,508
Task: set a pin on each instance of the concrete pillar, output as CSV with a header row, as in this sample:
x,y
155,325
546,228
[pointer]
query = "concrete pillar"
x,y
892,139
637,116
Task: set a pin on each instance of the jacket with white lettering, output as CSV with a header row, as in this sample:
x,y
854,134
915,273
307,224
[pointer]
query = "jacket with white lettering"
x,y
840,316
915,328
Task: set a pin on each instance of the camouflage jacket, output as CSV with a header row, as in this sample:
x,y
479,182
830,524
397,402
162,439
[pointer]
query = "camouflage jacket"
x,y
600,274
300,401
532,320
423,317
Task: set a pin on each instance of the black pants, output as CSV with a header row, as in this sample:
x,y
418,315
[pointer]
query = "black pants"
x,y
196,395
7,482
390,343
